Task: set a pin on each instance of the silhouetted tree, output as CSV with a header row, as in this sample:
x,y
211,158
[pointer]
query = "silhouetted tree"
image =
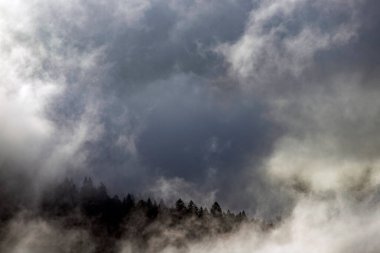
x,y
192,208
180,206
200,212
102,194
61,199
109,219
241,216
128,204
89,200
152,211
216,210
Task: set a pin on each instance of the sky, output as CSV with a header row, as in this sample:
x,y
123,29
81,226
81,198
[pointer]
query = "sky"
x,y
252,103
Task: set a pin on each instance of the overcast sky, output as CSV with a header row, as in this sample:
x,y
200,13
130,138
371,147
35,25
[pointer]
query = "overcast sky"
x,y
240,101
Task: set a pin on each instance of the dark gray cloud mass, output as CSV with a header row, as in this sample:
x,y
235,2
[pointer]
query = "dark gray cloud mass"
x,y
229,100
267,105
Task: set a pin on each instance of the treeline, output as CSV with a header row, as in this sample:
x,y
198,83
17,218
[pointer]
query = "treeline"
x,y
140,221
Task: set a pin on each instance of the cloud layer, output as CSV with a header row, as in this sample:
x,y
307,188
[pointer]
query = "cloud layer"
x,y
245,101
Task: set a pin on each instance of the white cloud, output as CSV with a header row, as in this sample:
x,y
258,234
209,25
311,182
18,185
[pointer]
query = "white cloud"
x,y
38,236
172,189
269,49
35,74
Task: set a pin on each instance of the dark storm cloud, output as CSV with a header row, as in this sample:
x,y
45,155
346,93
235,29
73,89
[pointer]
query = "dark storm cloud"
x,y
196,91
318,73
269,105
172,40
152,87
147,43
362,54
180,128
188,133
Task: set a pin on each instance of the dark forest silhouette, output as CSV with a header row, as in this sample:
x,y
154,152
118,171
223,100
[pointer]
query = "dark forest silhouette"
x,y
111,219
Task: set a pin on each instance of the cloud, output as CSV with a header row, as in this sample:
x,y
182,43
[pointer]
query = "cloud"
x,y
170,190
265,105
24,235
35,76
282,38
231,96
327,105
315,225
92,94
332,134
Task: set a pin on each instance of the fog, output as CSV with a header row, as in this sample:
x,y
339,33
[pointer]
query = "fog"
x,y
270,106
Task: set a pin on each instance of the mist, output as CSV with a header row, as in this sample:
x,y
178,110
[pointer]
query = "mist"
x,y
265,106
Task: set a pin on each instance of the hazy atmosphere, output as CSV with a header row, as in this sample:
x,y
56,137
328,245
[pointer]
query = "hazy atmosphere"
x,y
266,106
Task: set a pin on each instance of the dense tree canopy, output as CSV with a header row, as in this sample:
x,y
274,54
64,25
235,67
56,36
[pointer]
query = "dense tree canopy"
x,y
111,219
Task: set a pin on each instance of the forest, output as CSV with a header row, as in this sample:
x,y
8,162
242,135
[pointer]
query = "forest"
x,y
110,220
